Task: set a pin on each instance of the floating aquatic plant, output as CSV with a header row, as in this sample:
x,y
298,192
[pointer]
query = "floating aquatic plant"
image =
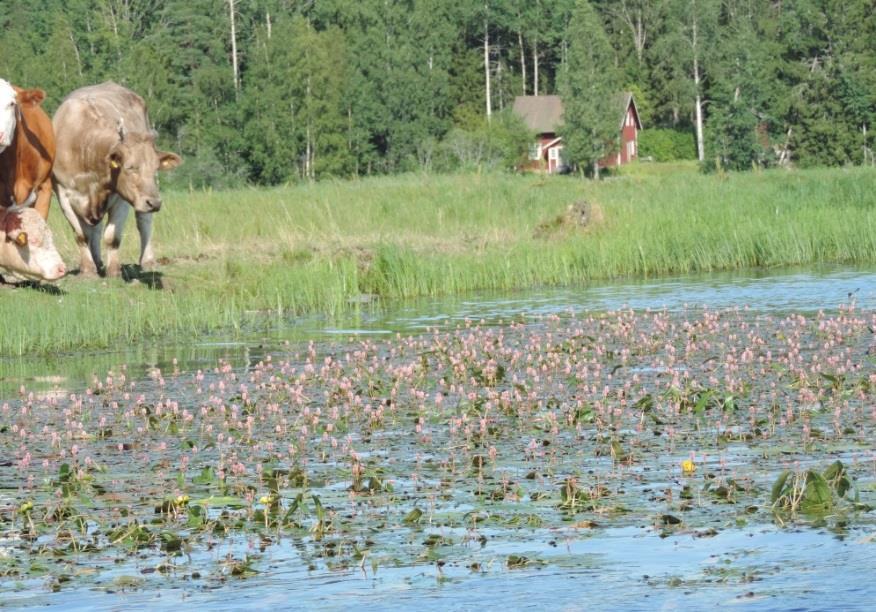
x,y
446,446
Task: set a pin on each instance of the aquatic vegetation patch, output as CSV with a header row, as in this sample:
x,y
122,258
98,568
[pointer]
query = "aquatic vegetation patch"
x,y
482,447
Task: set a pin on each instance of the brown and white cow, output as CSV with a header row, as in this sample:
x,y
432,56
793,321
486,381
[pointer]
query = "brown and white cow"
x,y
27,248
27,149
107,162
8,113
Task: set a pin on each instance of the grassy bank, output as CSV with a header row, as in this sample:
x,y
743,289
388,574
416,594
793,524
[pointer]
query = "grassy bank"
x,y
226,255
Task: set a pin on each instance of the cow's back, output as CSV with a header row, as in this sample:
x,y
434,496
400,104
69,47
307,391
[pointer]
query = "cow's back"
x,y
88,123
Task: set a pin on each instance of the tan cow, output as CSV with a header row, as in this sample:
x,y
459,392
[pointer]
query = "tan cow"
x,y
106,162
27,248
27,149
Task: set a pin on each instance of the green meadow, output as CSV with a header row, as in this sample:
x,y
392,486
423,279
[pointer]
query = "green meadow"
x,y
231,257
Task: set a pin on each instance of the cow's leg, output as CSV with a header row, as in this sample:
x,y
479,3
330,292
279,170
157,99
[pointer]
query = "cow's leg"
x,y
68,200
44,198
144,226
117,214
24,193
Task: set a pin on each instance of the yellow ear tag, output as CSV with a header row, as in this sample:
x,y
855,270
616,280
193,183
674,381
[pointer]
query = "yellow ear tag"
x,y
21,239
114,164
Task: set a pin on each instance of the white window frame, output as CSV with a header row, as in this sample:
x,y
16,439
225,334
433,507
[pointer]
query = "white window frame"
x,y
554,154
535,152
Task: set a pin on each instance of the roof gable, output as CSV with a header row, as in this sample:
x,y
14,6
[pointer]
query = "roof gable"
x,y
625,101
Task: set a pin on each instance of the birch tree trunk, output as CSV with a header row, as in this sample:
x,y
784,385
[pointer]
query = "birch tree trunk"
x,y
79,63
234,65
698,104
499,77
535,66
866,148
635,22
487,63
308,154
698,108
522,59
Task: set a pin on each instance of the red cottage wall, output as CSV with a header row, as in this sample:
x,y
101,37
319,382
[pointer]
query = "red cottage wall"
x,y
544,164
628,133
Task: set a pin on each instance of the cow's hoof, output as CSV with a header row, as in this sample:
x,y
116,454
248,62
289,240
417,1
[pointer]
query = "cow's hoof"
x,y
88,271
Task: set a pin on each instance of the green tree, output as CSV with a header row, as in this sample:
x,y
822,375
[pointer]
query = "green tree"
x,y
683,59
832,65
747,95
294,101
589,90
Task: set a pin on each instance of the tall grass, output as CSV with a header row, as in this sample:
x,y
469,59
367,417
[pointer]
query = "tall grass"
x,y
318,247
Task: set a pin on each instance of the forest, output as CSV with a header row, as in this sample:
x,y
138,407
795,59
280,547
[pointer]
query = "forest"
x,y
269,92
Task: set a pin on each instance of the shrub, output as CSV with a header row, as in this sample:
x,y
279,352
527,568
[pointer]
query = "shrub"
x,y
667,144
500,144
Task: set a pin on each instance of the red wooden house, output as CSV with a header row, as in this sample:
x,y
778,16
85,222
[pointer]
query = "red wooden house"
x,y
544,116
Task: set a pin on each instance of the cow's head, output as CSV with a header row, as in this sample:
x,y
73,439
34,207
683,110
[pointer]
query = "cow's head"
x,y
134,162
11,100
27,247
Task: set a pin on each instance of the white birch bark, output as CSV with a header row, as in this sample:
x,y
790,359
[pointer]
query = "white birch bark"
x,y
487,64
234,65
522,60
698,104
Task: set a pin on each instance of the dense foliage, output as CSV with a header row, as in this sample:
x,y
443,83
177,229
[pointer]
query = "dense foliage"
x,y
271,91
667,144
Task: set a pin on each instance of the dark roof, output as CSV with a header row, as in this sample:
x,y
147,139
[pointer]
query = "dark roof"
x,y
541,114
544,114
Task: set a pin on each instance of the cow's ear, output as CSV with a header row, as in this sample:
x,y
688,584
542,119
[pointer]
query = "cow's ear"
x,y
115,159
31,97
17,235
10,222
167,160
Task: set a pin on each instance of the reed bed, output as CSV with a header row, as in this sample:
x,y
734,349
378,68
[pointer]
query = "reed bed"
x,y
322,247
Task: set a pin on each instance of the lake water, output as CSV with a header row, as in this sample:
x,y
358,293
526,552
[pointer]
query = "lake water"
x,y
624,561
760,290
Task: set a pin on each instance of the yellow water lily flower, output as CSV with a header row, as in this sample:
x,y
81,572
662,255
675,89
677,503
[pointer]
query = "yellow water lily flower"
x,y
182,500
688,466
